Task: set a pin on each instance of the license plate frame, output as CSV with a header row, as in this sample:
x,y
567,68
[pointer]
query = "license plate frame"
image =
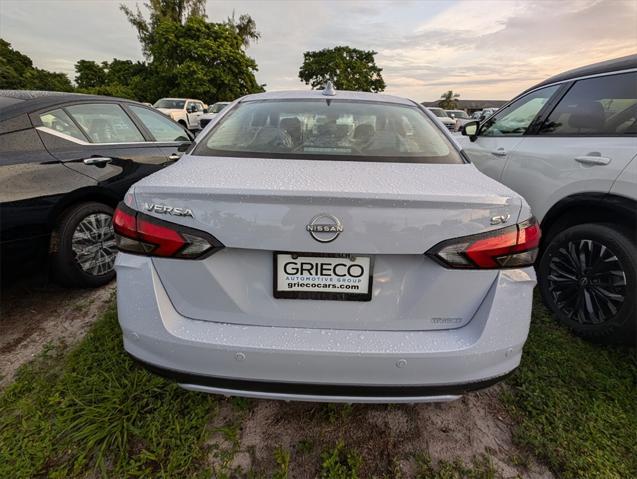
x,y
321,295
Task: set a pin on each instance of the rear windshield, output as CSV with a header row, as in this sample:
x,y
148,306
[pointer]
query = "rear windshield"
x,y
217,107
170,104
457,114
328,130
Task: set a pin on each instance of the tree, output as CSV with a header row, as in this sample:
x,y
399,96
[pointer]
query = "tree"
x,y
245,27
120,78
89,74
348,68
38,79
123,71
174,11
189,56
13,66
449,100
17,72
203,60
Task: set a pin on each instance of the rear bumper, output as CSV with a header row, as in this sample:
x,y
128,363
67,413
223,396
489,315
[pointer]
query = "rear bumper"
x,y
317,392
323,364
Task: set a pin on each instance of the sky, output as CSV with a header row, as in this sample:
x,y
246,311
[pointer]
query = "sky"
x,y
490,49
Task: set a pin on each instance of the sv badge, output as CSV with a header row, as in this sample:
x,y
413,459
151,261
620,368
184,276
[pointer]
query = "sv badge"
x,y
498,220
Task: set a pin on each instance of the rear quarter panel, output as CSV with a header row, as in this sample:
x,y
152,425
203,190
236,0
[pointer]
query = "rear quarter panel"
x,y
626,182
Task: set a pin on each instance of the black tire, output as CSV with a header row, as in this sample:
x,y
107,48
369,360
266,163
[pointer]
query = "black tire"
x,y
588,277
94,235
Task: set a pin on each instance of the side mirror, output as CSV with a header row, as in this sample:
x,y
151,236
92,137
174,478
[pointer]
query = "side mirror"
x,y
470,129
183,147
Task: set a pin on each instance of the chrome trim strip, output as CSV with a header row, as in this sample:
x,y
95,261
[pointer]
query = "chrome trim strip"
x,y
64,136
310,398
561,82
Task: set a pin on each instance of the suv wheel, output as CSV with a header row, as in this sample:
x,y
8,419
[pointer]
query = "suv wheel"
x,y
86,246
588,278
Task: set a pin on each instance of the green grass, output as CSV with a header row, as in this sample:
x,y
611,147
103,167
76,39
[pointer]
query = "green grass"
x,y
482,468
282,458
94,411
90,411
576,403
339,463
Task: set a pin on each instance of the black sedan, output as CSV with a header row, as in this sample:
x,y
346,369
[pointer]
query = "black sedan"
x,y
66,160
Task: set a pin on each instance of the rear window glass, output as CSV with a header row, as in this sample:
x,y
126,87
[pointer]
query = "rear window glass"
x,y
105,123
59,121
601,106
170,104
328,130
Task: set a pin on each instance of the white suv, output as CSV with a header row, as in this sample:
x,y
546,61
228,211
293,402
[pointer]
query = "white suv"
x,y
568,145
184,111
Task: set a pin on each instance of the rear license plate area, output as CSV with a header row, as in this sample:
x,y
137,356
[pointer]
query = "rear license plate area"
x,y
323,276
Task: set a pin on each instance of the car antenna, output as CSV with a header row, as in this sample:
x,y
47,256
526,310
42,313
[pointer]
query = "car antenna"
x,y
329,89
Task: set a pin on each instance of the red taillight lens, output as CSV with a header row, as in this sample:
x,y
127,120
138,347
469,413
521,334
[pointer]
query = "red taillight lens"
x,y
125,222
512,247
142,234
168,241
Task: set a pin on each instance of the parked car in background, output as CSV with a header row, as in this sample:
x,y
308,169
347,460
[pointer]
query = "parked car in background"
x,y
211,112
442,116
568,145
184,111
484,114
459,116
65,162
234,277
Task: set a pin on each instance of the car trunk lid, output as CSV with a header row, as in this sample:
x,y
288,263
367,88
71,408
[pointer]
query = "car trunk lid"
x,y
391,212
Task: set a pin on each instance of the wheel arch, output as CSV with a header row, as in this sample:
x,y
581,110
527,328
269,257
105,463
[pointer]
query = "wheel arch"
x,y
589,208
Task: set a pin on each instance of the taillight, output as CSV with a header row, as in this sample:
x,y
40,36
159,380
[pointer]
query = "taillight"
x,y
142,234
512,247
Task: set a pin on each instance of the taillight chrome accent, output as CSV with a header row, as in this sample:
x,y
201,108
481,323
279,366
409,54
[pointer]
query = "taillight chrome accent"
x,y
512,247
139,233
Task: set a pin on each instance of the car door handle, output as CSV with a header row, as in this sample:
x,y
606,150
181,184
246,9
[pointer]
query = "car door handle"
x,y
97,161
174,157
592,160
499,152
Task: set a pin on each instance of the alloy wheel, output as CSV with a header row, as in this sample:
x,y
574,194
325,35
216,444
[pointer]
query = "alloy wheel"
x,y
587,281
94,244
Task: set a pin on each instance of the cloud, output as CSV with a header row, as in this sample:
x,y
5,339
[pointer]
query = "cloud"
x,y
521,44
483,49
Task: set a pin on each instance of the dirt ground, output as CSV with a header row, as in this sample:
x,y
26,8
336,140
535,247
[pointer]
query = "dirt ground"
x,y
35,313
389,437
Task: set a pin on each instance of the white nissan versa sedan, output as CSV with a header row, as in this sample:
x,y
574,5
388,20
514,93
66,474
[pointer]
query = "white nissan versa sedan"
x,y
326,246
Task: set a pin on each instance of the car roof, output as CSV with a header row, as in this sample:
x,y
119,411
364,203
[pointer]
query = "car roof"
x,y
318,94
618,64
32,100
